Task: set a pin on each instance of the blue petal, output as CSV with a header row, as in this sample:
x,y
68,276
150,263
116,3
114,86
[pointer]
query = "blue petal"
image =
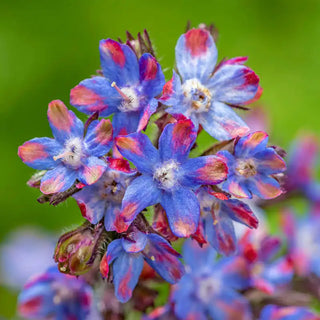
x,y
114,250
58,179
234,84
125,122
140,194
220,233
91,170
264,187
195,256
163,258
269,162
91,204
112,213
240,212
151,76
196,54
138,149
176,141
251,144
126,271
228,158
135,241
237,186
172,95
95,94
63,122
221,122
207,170
38,153
119,63
230,305
183,211
98,138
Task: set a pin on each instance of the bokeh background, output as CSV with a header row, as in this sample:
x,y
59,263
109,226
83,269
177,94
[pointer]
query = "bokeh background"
x,y
47,47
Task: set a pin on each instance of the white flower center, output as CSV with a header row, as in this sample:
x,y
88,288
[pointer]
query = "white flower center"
x,y
130,101
72,152
113,187
197,95
207,288
246,168
166,174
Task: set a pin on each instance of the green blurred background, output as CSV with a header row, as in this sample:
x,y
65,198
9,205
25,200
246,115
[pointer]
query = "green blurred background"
x,y
47,47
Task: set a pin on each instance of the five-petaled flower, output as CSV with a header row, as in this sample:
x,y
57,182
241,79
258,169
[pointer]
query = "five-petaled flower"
x,y
209,287
54,295
251,168
69,156
217,216
168,177
127,88
128,254
103,199
204,93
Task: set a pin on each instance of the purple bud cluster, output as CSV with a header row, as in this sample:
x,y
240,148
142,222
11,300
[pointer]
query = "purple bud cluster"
x,y
142,181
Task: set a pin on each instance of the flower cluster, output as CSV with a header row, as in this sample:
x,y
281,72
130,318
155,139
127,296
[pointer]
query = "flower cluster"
x,y
135,160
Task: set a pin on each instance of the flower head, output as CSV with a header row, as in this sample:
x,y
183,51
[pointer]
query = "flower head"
x,y
103,199
209,288
218,216
55,295
204,93
251,168
303,240
168,177
69,156
128,254
273,312
127,88
258,251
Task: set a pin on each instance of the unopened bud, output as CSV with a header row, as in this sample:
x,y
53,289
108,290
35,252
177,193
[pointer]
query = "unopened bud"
x,y
76,250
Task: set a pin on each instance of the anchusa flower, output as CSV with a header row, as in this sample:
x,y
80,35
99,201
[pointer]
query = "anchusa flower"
x,y
209,288
139,193
69,156
302,171
104,198
258,251
128,254
303,242
273,312
53,295
127,88
218,213
168,176
205,93
252,167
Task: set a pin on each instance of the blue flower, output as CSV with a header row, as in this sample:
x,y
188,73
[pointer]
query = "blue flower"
x,y
127,256
167,176
218,215
69,156
209,288
303,239
273,312
256,257
103,199
55,295
251,168
204,93
127,88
